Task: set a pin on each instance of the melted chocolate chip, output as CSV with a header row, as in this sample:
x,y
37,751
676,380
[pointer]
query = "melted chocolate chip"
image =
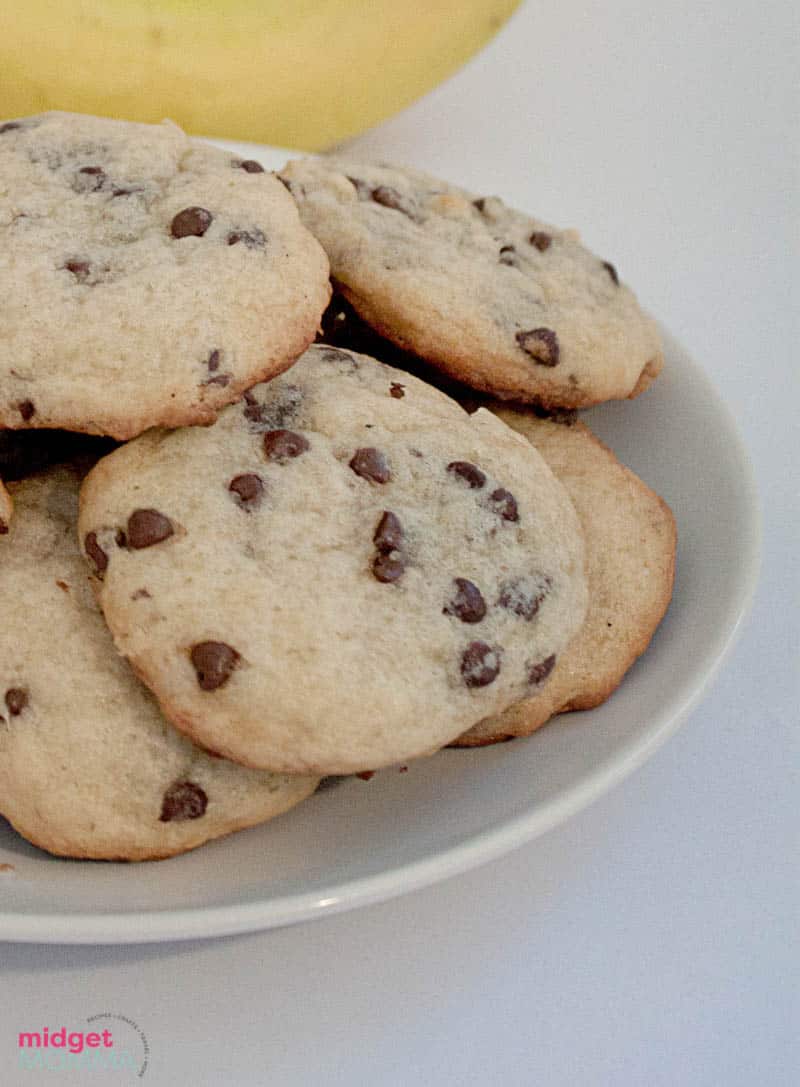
x,y
90,179
388,197
508,255
212,362
480,664
612,271
539,672
248,489
282,445
148,527
250,166
79,268
541,344
540,240
388,568
141,594
96,553
16,700
214,663
480,203
371,464
397,391
3,527
191,223
523,596
126,190
27,410
467,603
183,800
504,504
218,379
252,239
388,533
9,126
468,472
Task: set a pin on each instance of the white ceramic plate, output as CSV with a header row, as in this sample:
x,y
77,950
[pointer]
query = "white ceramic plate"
x,y
363,842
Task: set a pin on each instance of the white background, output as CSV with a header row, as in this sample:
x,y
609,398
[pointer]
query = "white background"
x,y
653,939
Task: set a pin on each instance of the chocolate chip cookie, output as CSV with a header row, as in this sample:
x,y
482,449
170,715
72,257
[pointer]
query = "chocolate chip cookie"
x,y
345,571
494,298
630,562
88,765
146,279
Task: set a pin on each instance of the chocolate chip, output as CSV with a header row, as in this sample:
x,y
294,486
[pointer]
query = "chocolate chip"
x,y
16,700
62,586
253,411
120,538
3,527
480,203
191,223
387,568
214,663
252,239
612,271
9,126
148,527
90,179
541,240
397,391
541,344
27,410
467,603
389,532
504,504
141,594
218,379
126,190
539,672
371,464
95,553
468,472
480,664
523,596
282,445
248,489
183,800
388,197
508,255
212,362
250,166
79,268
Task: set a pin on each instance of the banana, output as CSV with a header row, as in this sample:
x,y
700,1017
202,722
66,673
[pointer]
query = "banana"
x,y
297,73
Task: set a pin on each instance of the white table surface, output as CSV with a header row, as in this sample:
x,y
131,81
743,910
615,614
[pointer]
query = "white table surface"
x,y
649,941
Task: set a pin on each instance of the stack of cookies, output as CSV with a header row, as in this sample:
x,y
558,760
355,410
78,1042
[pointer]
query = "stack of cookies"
x,y
306,559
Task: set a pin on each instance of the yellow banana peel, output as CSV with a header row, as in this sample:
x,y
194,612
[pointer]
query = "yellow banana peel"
x,y
298,73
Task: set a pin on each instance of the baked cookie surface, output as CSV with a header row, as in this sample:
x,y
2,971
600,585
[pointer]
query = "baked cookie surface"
x,y
145,278
345,571
494,298
88,765
6,509
630,563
